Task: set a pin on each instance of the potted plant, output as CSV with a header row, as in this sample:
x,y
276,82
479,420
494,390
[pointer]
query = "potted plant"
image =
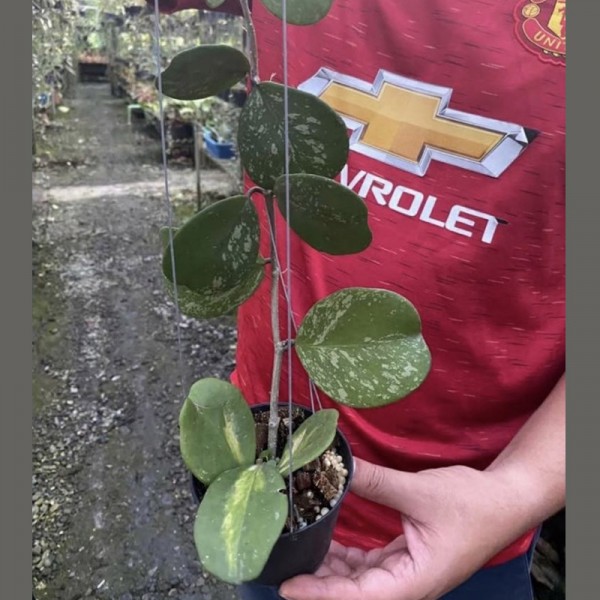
x,y
273,476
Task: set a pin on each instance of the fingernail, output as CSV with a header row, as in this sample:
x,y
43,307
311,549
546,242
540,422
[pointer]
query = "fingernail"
x,y
284,596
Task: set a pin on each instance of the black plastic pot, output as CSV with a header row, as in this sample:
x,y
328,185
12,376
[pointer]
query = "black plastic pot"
x,y
300,552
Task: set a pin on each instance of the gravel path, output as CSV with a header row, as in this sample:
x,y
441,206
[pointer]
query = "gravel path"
x,y
112,509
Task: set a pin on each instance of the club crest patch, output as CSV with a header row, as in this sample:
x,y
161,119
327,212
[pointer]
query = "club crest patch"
x,y
541,26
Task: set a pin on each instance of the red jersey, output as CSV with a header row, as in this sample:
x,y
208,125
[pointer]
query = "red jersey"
x,y
456,111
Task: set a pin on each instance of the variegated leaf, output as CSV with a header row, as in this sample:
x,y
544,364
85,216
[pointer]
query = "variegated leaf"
x,y
217,249
364,347
310,440
300,12
239,520
216,304
326,215
217,431
318,138
211,304
204,71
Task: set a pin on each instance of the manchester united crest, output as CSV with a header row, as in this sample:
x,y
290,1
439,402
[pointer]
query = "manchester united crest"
x,y
541,27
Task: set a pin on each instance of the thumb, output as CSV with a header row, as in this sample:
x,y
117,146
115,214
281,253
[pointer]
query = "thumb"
x,y
391,488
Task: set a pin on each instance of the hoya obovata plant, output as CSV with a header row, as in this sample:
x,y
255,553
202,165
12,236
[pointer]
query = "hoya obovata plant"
x,y
363,347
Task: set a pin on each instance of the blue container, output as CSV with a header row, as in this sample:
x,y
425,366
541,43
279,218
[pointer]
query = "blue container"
x,y
223,150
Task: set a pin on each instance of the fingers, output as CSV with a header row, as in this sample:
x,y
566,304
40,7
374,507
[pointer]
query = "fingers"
x,y
379,555
342,561
334,566
309,587
352,574
395,489
373,584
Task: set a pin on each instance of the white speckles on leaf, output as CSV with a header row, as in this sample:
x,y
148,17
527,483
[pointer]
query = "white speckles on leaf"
x,y
364,347
216,255
214,303
302,129
326,215
318,139
342,394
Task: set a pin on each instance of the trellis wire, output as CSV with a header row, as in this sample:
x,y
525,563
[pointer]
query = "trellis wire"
x,y
288,246
313,391
158,57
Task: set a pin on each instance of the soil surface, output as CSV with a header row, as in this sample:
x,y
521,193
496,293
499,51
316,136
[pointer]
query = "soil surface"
x,y
111,500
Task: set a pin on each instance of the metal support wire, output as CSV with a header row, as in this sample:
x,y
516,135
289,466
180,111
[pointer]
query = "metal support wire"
x,y
158,57
288,245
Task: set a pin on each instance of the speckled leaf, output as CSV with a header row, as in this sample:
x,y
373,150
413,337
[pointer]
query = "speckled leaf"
x,y
212,304
217,249
310,440
326,215
203,71
214,3
217,431
300,12
317,135
364,347
241,516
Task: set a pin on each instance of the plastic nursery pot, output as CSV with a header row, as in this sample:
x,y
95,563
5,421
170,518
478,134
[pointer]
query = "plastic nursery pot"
x,y
299,552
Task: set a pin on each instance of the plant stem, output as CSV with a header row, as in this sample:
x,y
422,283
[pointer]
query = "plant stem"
x,y
251,41
278,347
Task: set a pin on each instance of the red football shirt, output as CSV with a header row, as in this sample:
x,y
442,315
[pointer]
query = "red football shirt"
x,y
457,116
471,231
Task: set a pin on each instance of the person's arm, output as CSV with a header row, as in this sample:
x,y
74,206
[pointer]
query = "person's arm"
x,y
455,519
533,464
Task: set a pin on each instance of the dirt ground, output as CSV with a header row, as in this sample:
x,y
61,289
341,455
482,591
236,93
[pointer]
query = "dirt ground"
x,y
112,507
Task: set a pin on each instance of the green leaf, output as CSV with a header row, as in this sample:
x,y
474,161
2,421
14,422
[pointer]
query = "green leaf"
x,y
165,238
300,12
363,347
326,215
241,517
215,304
203,71
217,249
310,440
317,135
214,3
217,430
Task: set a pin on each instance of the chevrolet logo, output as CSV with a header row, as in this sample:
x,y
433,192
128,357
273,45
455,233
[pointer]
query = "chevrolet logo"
x,y
407,124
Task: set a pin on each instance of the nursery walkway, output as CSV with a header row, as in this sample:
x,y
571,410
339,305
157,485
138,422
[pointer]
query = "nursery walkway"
x,y
112,509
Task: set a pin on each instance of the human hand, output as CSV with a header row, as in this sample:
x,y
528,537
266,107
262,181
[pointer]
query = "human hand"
x,y
455,520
